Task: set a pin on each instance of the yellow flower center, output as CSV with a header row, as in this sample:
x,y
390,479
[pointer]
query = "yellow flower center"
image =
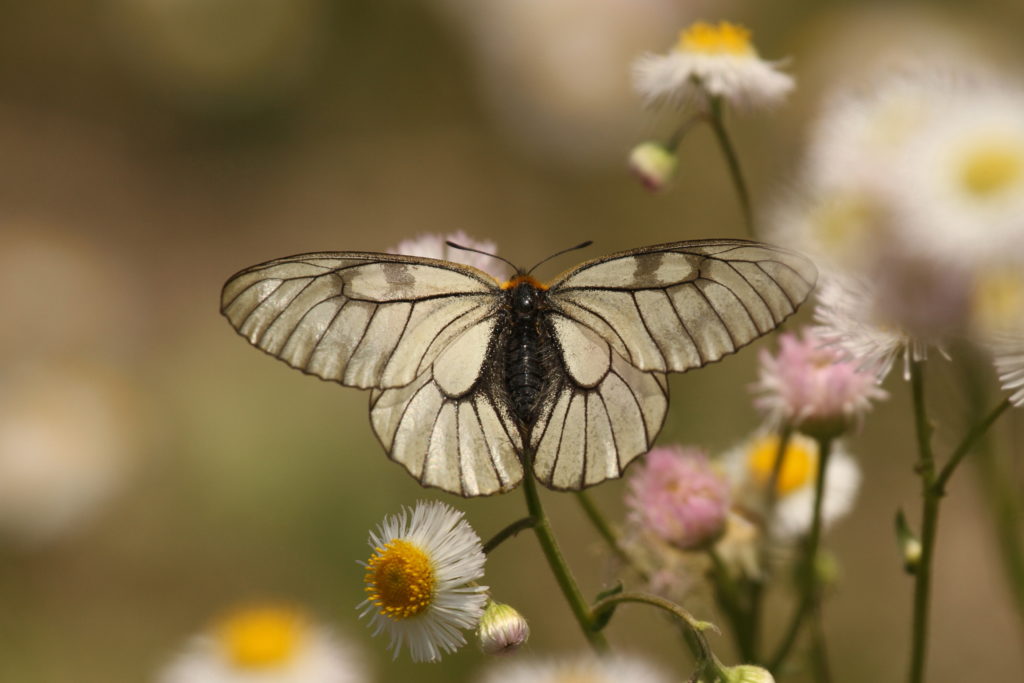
x,y
261,637
400,579
723,39
799,462
999,300
991,167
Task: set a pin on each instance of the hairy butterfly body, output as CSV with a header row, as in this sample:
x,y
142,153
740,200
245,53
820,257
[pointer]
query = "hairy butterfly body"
x,y
473,379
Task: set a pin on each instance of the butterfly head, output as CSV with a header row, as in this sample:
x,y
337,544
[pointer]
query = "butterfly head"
x,y
526,295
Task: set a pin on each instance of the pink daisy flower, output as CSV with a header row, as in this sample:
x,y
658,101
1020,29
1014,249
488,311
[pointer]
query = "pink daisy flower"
x,y
813,386
679,496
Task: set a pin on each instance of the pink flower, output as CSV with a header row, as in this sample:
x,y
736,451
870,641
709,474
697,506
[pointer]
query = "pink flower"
x,y
812,386
436,246
679,496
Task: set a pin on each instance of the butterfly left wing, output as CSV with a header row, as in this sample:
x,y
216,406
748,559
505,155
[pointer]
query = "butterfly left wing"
x,y
446,428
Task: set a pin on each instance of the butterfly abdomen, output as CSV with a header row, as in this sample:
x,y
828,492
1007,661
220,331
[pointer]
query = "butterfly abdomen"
x,y
528,353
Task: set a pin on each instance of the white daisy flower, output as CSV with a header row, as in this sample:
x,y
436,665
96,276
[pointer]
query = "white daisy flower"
x,y
579,670
436,246
265,643
1008,352
751,466
421,578
847,322
962,178
711,61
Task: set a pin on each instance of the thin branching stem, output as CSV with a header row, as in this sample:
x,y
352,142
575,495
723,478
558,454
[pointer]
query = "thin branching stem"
x,y
508,532
604,529
970,440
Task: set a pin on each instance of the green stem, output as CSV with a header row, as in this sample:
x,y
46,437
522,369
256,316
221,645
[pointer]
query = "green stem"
x,y
974,435
508,532
717,120
809,589
563,575
606,532
696,626
771,495
728,597
929,524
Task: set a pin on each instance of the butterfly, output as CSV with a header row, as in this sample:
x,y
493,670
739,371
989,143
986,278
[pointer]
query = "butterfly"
x,y
473,379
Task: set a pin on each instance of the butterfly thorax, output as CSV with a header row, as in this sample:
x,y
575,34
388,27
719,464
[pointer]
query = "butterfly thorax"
x,y
528,351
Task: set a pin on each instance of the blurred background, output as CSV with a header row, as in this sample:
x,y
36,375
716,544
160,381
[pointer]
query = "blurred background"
x,y
155,469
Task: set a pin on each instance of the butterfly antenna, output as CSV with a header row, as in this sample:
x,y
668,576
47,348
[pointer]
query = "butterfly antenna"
x,y
453,245
581,245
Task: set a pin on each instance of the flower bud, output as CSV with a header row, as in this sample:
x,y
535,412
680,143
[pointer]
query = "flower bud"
x,y
502,629
910,544
653,164
746,673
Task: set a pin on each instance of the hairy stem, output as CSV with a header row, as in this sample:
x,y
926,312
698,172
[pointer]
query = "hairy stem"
x,y
929,525
508,532
605,530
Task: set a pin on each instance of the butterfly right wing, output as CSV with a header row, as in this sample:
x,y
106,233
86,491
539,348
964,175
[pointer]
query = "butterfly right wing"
x,y
446,427
365,320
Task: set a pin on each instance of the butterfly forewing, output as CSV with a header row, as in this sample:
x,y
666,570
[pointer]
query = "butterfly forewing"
x,y
364,320
678,306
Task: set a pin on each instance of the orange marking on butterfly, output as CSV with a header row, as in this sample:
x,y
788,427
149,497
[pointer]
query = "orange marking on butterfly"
x,y
519,279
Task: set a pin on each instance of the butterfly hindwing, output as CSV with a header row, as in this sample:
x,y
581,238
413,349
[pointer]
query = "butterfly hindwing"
x,y
446,427
678,306
364,320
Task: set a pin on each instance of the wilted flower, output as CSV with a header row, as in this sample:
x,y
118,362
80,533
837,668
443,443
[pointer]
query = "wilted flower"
x,y
711,61
580,670
751,466
812,387
436,247
420,580
264,643
654,164
502,629
679,496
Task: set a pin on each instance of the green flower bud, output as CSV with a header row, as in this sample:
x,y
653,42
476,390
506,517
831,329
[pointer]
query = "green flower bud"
x,y
653,164
746,673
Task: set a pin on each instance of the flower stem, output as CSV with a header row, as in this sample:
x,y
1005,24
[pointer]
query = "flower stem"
x,y
571,591
969,441
697,627
605,530
808,577
508,532
771,495
925,468
730,601
717,120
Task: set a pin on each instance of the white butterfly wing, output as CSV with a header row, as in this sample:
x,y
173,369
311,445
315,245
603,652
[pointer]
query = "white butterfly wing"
x,y
601,417
623,321
446,428
678,306
362,319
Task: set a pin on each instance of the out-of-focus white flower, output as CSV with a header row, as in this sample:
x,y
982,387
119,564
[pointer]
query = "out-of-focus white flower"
x,y
679,496
654,164
847,323
997,301
813,387
68,439
421,580
739,547
751,466
711,61
961,183
614,669
264,644
1008,352
553,72
436,246
503,630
